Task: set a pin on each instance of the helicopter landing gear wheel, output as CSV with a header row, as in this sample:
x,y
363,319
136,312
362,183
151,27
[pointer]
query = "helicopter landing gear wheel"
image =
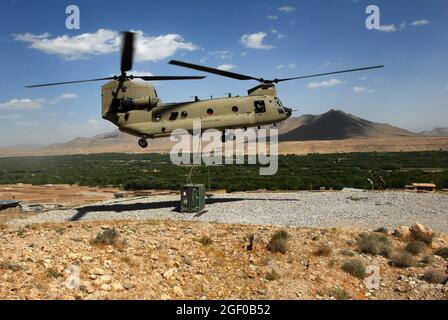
x,y
143,143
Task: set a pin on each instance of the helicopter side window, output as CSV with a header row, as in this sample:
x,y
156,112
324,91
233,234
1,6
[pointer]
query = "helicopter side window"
x,y
156,117
234,109
174,116
260,106
210,111
184,114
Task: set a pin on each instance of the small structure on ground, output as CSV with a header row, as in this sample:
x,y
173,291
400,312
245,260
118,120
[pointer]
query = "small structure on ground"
x,y
422,187
192,198
9,207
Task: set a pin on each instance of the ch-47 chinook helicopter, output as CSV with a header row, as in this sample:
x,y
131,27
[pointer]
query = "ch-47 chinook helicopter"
x,y
135,108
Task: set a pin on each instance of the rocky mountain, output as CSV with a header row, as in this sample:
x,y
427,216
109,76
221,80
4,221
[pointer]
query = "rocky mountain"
x,y
437,132
336,125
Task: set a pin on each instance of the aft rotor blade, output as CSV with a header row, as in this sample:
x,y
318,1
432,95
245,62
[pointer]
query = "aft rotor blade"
x,y
68,82
328,73
127,52
162,78
223,73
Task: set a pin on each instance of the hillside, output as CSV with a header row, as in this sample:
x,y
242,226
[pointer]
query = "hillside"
x,y
333,131
174,260
336,124
436,132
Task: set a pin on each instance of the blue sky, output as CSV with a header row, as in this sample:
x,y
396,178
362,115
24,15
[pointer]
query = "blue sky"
x,y
260,38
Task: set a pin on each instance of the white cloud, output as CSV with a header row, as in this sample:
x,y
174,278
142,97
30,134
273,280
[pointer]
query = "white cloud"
x,y
93,122
87,128
222,54
138,73
161,47
323,84
226,67
282,66
286,9
278,34
281,36
388,28
362,90
76,47
9,116
22,104
71,114
105,41
328,63
58,99
67,96
25,124
272,17
364,78
422,22
255,41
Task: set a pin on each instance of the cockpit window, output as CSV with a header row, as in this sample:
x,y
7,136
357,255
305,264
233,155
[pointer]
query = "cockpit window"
x,y
280,107
279,103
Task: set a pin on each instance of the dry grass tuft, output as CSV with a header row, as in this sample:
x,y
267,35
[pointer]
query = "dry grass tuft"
x,y
6,265
324,250
355,268
442,252
272,275
279,242
339,294
403,259
375,244
205,240
435,276
107,237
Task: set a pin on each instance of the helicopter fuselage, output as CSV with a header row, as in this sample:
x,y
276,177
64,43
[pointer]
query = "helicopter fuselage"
x,y
138,111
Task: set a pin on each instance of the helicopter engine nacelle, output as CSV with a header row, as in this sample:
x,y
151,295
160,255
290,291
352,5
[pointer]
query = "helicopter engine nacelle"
x,y
132,95
128,103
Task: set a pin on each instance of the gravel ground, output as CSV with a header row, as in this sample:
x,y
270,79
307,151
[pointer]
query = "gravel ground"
x,y
305,209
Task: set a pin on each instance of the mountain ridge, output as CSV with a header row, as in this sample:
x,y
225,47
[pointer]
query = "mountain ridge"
x,y
336,125
307,132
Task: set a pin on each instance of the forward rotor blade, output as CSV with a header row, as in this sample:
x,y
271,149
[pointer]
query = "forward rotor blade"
x,y
161,78
213,70
127,52
328,73
68,82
